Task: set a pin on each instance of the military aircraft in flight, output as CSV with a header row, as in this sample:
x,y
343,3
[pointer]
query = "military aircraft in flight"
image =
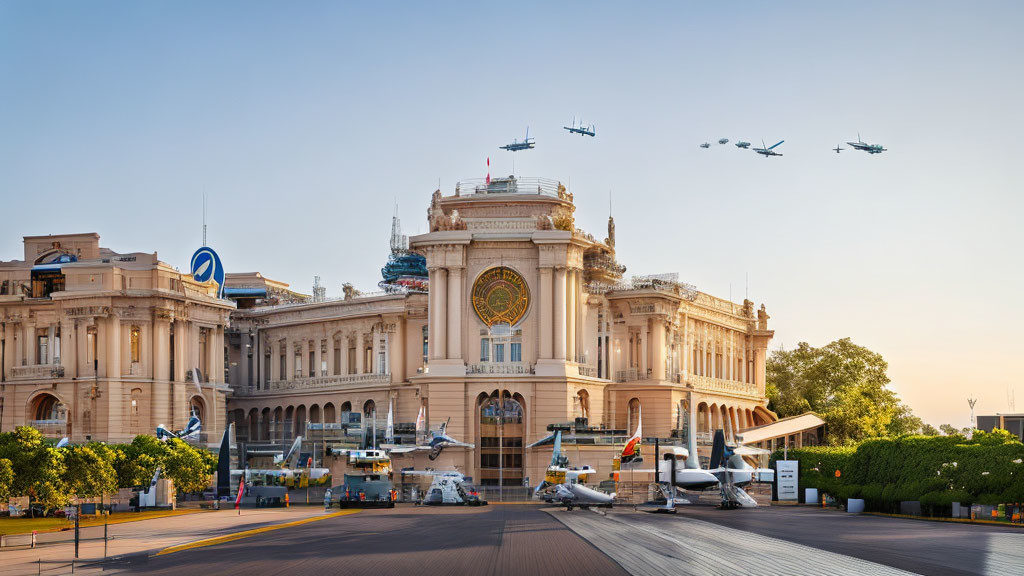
x,y
564,484
744,145
864,146
706,145
723,141
191,431
767,151
838,149
516,145
574,129
439,441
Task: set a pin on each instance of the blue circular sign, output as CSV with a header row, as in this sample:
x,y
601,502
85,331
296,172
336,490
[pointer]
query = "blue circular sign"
x,y
206,266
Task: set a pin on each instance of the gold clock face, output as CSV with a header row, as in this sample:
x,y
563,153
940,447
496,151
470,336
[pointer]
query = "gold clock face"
x,y
500,295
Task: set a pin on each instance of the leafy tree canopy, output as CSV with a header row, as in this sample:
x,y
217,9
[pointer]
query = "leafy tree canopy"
x,y
842,382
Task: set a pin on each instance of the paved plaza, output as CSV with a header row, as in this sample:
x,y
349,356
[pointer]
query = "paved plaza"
x,y
539,540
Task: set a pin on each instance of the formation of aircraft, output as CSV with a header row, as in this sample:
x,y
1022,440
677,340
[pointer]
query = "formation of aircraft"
x,y
191,431
767,151
865,147
563,484
439,441
516,145
574,129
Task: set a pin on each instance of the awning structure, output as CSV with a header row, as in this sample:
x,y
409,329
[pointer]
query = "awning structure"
x,y
782,428
245,292
42,267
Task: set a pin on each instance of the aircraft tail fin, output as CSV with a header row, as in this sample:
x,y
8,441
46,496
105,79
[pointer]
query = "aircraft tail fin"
x,y
692,459
717,449
556,451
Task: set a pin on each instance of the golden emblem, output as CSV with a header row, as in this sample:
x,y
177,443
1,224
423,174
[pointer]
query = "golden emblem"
x,y
500,295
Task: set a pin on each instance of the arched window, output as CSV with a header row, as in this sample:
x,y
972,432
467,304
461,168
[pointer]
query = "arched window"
x,y
633,417
47,407
136,344
369,407
502,433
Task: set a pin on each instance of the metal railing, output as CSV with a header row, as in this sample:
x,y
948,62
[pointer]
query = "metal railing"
x,y
317,382
500,368
722,385
513,185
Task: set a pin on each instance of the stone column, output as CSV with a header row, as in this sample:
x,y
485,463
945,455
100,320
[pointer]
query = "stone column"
x,y
330,354
10,347
397,352
179,395
570,316
657,344
360,354
437,314
759,368
114,395
746,376
318,357
160,406
29,343
69,348
559,314
454,306
583,341
289,360
544,325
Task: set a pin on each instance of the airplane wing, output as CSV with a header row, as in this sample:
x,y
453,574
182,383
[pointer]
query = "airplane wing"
x,y
407,449
776,144
458,444
749,451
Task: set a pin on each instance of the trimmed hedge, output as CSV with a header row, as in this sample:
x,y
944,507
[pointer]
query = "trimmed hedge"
x,y
934,470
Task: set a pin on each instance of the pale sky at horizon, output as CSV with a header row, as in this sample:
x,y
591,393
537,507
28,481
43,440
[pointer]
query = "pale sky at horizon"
x,y
305,122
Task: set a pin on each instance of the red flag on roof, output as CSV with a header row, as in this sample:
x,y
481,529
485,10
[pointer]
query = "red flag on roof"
x,y
488,170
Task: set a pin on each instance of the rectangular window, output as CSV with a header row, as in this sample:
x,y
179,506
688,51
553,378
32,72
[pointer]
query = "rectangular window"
x,y
337,357
312,364
485,350
352,359
42,349
56,347
368,360
499,352
135,344
298,364
516,352
282,370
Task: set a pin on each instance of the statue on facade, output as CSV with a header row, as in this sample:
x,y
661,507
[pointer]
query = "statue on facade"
x,y
610,240
350,291
762,318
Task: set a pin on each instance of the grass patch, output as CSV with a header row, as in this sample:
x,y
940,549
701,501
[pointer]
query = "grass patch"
x,y
27,525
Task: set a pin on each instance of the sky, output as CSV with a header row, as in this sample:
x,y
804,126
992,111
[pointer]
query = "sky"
x,y
304,123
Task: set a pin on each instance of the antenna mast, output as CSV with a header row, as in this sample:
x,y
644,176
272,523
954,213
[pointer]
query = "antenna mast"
x,y
204,218
972,402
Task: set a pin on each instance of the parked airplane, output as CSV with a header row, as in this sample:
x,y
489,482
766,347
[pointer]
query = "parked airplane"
x,y
448,488
723,141
706,145
559,471
288,470
767,151
439,441
191,431
744,145
574,129
516,145
864,146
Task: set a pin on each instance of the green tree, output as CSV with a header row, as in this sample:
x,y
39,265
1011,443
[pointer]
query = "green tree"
x,y
136,462
949,430
929,430
89,470
842,382
6,479
190,468
38,469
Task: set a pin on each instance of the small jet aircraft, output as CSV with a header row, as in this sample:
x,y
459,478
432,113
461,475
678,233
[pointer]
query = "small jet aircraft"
x,y
439,441
516,145
563,484
706,145
767,151
574,129
838,149
744,145
448,488
723,141
864,146
191,431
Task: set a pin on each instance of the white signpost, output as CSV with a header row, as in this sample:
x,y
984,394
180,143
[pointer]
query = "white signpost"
x,y
787,478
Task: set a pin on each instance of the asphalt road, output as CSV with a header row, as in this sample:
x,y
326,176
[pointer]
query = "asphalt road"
x,y
789,540
421,541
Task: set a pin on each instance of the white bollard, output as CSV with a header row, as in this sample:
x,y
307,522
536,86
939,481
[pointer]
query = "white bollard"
x,y
811,496
855,505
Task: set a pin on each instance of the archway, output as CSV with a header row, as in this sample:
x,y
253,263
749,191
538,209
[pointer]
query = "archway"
x,y
501,423
314,413
703,426
254,423
265,424
197,406
329,414
300,420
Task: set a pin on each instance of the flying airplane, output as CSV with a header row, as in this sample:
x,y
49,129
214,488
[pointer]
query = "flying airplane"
x,y
767,151
190,432
705,145
744,145
723,141
869,148
439,441
564,485
574,129
516,145
838,149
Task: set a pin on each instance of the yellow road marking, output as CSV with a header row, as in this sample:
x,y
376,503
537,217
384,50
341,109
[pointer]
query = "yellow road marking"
x,y
246,533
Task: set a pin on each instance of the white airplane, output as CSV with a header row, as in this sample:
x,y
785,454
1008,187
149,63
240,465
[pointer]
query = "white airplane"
x,y
767,151
564,485
191,431
439,441
865,147
448,488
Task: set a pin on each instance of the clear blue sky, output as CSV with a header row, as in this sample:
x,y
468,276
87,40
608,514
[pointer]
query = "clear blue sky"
x,y
304,122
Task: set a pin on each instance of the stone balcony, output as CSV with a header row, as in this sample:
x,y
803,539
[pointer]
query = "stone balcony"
x,y
722,385
316,383
37,372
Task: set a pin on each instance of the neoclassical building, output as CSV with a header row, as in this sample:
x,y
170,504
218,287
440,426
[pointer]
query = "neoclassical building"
x,y
100,345
527,322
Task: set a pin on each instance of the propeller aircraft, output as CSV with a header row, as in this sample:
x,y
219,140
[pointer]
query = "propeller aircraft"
x,y
865,147
723,141
838,149
574,129
744,145
767,151
706,145
191,431
527,144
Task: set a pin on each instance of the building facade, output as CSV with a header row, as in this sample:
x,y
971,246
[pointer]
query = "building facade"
x,y
527,322
98,345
